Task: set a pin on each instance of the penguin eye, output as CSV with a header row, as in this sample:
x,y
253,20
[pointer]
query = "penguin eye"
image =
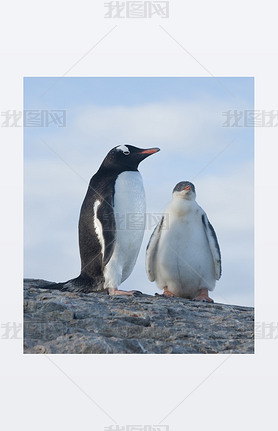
x,y
126,152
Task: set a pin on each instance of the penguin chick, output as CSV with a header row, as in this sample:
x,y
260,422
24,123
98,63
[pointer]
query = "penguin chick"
x,y
183,254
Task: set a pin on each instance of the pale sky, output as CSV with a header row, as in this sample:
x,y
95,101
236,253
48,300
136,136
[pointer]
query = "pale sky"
x,y
184,118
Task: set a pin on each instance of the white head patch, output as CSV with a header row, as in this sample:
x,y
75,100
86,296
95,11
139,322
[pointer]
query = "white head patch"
x,y
124,149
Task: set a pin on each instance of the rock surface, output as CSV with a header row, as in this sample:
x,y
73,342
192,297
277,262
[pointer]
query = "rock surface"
x,y
63,322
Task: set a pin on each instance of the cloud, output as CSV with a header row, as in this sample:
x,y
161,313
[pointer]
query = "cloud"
x,y
191,127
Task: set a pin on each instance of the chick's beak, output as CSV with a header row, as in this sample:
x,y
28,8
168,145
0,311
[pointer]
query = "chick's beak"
x,y
187,188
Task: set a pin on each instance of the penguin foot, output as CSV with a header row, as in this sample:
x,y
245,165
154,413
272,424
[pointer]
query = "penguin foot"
x,y
114,291
166,293
203,296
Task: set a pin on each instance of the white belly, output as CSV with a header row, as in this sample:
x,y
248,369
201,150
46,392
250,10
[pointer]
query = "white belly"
x,y
129,211
184,262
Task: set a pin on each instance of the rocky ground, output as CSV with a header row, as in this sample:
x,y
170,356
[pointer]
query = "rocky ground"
x,y
62,322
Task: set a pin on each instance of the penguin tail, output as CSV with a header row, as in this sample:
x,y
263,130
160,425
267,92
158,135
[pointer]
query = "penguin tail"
x,y
82,284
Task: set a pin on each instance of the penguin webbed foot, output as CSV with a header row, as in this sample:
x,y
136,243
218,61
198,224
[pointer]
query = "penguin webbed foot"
x,y
117,292
162,295
166,293
203,297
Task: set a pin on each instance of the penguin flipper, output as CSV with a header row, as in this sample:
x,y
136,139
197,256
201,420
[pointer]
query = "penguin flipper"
x,y
96,232
213,244
105,216
152,249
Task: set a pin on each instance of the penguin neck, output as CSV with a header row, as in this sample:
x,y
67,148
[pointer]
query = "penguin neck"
x,y
105,174
181,207
114,170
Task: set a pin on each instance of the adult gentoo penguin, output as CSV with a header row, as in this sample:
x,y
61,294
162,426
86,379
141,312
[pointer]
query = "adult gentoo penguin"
x,y
183,254
111,223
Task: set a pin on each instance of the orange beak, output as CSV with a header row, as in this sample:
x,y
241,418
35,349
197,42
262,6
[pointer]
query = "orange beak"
x,y
187,188
150,151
